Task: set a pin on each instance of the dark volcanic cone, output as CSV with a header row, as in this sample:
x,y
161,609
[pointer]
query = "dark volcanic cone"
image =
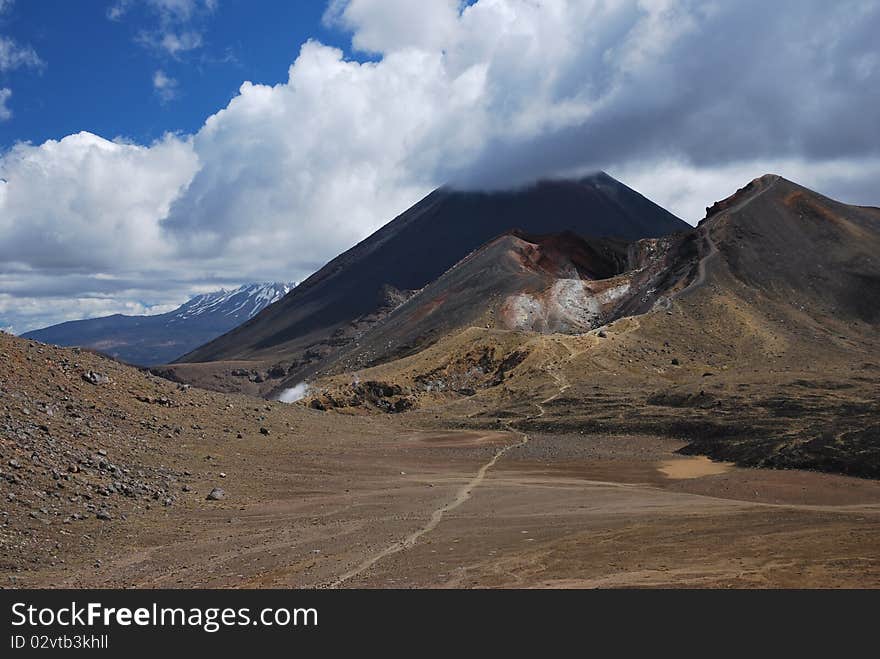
x,y
795,246
339,302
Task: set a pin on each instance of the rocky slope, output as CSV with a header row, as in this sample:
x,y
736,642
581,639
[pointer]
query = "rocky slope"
x,y
88,444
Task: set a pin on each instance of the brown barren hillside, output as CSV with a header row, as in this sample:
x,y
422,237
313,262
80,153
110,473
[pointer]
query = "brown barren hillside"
x,y
754,338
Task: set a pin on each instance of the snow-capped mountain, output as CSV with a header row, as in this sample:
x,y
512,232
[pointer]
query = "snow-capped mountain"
x,y
240,304
151,340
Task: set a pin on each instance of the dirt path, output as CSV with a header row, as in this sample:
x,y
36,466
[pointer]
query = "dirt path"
x,y
700,279
463,495
554,370
467,490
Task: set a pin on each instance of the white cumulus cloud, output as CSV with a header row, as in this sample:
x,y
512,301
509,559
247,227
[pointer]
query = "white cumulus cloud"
x,y
380,26
86,204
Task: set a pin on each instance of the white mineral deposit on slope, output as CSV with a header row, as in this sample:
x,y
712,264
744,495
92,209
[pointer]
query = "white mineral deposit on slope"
x,y
569,304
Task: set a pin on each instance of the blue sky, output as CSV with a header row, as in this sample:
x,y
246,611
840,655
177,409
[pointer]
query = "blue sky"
x,y
151,150
98,73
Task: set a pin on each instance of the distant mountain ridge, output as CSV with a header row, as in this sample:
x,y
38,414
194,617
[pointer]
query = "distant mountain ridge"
x,y
151,340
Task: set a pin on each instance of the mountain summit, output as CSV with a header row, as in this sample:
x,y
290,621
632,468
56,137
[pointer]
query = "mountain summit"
x,y
361,286
149,340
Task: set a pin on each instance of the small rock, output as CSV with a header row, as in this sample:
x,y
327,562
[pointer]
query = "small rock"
x,y
264,431
602,334
217,494
103,514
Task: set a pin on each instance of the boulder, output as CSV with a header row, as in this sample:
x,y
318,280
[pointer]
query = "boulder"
x,y
95,378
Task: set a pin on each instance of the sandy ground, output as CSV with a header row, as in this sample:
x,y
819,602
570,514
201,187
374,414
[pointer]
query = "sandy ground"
x,y
390,506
